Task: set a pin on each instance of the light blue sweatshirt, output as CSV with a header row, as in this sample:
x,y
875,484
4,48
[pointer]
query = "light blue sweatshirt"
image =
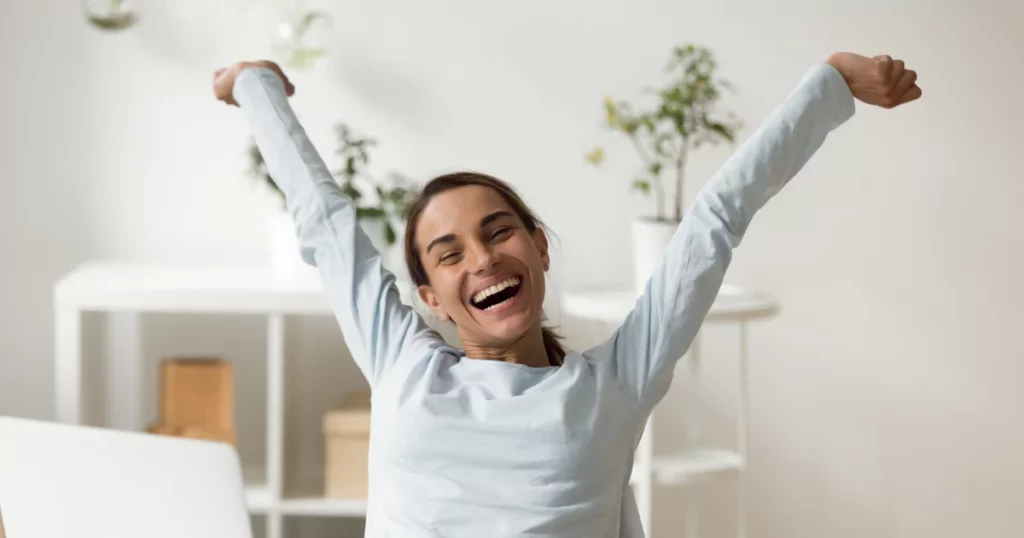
x,y
485,449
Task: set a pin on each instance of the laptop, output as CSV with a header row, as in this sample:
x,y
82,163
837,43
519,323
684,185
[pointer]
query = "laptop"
x,y
59,480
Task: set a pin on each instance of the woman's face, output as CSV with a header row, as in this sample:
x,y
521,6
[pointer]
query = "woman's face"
x,y
485,269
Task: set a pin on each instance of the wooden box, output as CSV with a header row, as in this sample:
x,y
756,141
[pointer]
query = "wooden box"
x,y
347,438
197,399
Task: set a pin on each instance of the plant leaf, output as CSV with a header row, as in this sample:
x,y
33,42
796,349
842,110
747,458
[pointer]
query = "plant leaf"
x,y
389,233
722,130
595,156
303,58
308,19
351,191
369,213
642,185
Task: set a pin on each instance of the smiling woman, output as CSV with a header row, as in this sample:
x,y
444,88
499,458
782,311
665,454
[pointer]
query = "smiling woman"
x,y
483,267
512,435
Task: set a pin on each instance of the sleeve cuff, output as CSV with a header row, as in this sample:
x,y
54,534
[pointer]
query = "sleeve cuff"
x,y
252,78
836,95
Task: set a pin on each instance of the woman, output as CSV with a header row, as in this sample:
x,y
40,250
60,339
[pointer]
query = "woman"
x,y
512,436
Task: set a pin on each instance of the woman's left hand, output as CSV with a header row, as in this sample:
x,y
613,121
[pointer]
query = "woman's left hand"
x,y
880,80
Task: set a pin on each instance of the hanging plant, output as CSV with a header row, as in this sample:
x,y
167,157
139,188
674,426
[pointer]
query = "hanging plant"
x,y
294,45
109,15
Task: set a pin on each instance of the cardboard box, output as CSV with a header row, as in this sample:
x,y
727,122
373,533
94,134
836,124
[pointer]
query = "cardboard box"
x,y
197,399
347,438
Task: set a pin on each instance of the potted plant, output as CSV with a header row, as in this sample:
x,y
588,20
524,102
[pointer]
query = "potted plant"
x,y
680,117
381,205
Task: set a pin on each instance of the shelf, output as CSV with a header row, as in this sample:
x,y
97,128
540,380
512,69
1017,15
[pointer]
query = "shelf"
x,y
692,465
612,304
257,498
259,501
322,506
194,288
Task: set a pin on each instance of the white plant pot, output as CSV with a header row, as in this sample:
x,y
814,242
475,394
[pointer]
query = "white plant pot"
x,y
650,237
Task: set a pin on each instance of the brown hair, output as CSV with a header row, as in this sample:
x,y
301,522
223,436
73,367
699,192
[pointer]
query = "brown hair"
x,y
454,180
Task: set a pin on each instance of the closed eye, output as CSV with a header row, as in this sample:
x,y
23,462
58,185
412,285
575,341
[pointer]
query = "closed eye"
x,y
449,257
500,233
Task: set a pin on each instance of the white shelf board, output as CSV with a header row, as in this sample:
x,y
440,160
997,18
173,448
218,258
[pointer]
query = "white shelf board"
x,y
692,465
613,304
259,501
695,464
323,506
225,288
257,498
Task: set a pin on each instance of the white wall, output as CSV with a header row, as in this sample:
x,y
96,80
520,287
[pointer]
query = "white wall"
x,y
884,394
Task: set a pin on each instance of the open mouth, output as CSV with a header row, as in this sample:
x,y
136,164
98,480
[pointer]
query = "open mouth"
x,y
498,295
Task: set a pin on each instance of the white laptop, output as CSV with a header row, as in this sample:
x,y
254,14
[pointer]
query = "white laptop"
x,y
62,481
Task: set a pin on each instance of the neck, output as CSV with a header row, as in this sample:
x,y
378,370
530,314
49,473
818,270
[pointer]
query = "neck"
x,y
527,350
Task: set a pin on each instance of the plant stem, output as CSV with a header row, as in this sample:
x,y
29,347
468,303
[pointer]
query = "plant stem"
x,y
680,176
659,189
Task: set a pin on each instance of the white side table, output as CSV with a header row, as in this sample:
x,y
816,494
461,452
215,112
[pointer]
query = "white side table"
x,y
733,305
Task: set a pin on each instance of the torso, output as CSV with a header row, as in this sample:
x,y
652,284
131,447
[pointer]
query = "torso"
x,y
460,444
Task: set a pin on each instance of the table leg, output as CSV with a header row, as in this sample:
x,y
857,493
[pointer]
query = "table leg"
x,y
743,437
644,486
68,364
692,436
125,375
692,424
275,422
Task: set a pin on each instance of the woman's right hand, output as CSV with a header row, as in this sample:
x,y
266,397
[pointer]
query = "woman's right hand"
x,y
224,79
879,81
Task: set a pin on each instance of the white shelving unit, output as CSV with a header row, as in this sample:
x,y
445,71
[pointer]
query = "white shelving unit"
x,y
144,288
132,289
733,305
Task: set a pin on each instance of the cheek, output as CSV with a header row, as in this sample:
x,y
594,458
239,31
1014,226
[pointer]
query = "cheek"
x,y
526,251
446,286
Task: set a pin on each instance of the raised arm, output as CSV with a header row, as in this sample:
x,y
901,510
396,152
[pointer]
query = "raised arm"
x,y
670,312
378,328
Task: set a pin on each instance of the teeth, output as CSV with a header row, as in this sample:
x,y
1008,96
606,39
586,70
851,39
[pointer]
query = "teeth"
x,y
493,306
480,296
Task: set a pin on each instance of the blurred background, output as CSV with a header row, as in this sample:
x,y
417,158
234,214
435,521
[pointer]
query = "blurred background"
x,y
884,394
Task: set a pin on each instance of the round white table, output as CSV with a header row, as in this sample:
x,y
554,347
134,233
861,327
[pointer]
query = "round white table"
x,y
610,305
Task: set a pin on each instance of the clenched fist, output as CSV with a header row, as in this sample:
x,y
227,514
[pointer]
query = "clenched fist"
x,y
224,79
879,81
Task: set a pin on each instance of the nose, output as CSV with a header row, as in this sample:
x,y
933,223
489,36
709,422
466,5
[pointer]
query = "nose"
x,y
484,258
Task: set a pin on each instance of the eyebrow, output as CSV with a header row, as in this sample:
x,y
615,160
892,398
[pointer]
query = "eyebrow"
x,y
448,238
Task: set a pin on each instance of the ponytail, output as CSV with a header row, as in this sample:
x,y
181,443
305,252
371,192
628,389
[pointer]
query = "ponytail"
x,y
553,346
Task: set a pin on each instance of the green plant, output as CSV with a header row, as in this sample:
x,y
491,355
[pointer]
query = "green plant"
x,y
297,53
681,119
388,200
109,14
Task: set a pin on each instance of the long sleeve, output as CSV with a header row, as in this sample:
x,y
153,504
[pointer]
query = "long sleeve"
x,y
378,328
658,331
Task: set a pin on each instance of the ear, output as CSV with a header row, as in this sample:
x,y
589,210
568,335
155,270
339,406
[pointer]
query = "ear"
x,y
430,299
540,239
